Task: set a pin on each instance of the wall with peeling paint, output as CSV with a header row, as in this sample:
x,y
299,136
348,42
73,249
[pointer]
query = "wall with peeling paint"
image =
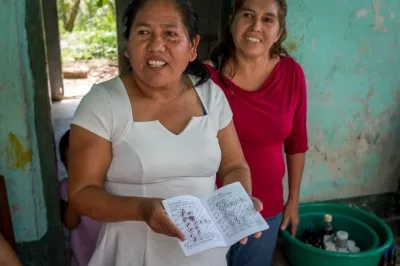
x,y
350,53
19,159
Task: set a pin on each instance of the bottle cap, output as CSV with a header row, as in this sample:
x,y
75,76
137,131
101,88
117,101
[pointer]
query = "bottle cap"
x,y
354,249
351,243
329,248
330,245
342,235
328,218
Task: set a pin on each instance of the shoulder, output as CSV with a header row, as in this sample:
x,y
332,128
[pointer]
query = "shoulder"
x,y
208,63
292,66
97,93
211,68
102,96
294,74
210,91
211,95
99,108
105,89
215,103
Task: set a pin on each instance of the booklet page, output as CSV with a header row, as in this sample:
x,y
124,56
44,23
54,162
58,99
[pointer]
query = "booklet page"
x,y
233,213
190,216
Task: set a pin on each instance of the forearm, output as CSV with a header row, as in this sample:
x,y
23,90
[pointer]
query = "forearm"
x,y
103,206
295,166
7,254
71,218
241,175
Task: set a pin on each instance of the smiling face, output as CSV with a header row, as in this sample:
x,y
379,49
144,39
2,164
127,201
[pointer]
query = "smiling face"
x,y
255,27
159,48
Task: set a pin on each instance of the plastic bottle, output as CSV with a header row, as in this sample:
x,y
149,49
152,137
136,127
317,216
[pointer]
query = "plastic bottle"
x,y
307,235
330,246
392,255
341,239
327,229
384,259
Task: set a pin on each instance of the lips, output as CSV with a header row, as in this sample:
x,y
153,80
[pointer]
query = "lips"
x,y
253,39
156,63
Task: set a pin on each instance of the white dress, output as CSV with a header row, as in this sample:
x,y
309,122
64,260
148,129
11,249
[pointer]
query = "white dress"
x,y
150,161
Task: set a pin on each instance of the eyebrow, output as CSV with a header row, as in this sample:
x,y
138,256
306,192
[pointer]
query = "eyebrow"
x,y
269,14
143,24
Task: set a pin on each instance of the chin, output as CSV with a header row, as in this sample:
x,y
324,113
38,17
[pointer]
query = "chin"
x,y
155,80
255,54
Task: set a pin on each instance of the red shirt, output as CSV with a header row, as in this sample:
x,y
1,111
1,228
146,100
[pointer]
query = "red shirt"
x,y
270,121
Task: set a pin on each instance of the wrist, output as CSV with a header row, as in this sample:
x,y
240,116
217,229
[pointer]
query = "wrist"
x,y
142,205
293,199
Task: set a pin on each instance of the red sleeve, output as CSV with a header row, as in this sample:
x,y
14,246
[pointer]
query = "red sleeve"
x,y
297,142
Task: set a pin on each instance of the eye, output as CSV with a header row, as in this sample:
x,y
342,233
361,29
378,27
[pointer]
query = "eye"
x,y
268,20
247,15
171,34
143,32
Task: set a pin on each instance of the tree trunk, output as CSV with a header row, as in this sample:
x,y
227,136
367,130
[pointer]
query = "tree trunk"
x,y
74,12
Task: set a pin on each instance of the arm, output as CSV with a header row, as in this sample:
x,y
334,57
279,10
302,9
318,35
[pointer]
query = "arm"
x,y
233,165
69,216
86,184
297,143
295,165
90,155
86,187
7,254
295,147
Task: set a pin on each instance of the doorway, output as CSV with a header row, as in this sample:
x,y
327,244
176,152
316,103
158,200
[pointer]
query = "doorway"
x,y
88,51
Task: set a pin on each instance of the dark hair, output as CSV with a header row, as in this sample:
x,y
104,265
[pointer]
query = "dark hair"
x,y
225,48
63,147
191,21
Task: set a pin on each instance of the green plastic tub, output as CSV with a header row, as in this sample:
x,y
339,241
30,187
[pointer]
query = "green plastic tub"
x,y
300,254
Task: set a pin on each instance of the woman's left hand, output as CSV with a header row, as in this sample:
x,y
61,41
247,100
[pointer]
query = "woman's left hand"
x,y
259,207
291,215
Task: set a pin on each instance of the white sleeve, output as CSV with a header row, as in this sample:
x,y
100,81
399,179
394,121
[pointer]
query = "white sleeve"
x,y
94,112
225,112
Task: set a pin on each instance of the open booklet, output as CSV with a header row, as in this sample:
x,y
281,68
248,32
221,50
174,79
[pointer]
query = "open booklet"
x,y
218,220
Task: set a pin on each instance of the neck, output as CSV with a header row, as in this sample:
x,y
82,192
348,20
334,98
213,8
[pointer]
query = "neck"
x,y
161,94
251,66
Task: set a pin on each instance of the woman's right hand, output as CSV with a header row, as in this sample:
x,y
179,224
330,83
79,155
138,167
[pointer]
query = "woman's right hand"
x,y
154,215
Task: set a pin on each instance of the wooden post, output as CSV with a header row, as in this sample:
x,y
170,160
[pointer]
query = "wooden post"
x,y
120,6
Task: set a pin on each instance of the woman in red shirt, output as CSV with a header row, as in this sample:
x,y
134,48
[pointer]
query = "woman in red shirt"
x,y
266,89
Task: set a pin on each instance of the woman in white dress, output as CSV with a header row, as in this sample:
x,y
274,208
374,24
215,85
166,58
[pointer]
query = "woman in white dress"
x,y
162,130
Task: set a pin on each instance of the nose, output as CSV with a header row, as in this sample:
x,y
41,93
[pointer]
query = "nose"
x,y
256,26
156,44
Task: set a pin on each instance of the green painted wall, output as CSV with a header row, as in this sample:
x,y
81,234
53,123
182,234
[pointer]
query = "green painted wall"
x,y
19,160
350,54
27,158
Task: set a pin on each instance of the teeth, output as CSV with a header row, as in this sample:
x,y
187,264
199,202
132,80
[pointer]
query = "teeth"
x,y
251,39
154,63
